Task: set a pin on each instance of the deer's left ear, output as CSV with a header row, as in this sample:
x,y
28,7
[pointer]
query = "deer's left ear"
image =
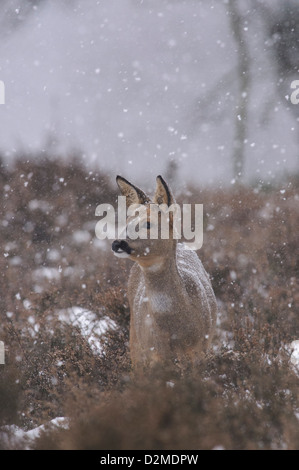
x,y
133,194
163,194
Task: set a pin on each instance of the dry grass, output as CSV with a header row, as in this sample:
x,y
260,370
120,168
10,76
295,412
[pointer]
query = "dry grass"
x,y
243,396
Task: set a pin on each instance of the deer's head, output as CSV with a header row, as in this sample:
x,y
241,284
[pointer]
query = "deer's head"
x,y
148,236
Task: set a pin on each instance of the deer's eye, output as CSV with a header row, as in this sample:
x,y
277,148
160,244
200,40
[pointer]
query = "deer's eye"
x,y
147,225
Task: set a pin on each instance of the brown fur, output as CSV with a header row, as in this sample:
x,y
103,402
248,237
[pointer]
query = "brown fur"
x,y
172,304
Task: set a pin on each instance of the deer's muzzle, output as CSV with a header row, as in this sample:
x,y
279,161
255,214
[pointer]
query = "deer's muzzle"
x,y
120,246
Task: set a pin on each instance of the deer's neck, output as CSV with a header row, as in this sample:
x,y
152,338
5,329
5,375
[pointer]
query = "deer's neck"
x,y
161,275
163,288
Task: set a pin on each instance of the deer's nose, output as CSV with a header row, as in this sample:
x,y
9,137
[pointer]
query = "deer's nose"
x,y
121,245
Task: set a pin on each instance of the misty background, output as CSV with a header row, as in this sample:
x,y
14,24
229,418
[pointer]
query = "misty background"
x,y
193,89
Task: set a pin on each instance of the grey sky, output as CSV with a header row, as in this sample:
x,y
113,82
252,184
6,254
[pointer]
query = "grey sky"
x,y
135,84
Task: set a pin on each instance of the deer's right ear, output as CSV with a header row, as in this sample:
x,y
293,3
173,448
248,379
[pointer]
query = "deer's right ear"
x,y
133,194
163,194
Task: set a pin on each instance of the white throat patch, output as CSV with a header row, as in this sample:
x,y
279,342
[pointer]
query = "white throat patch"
x,y
154,268
121,254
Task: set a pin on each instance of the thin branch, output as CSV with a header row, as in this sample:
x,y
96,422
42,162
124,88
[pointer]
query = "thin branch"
x,y
243,72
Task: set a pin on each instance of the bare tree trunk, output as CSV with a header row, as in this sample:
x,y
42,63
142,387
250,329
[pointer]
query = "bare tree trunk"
x,y
241,111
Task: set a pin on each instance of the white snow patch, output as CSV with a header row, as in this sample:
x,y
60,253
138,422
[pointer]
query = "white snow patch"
x,y
90,326
293,348
12,435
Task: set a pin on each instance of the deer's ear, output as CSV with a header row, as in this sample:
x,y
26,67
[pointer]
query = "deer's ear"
x,y
163,194
133,194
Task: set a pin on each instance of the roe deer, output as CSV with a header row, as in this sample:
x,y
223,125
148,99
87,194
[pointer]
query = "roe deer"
x,y
172,303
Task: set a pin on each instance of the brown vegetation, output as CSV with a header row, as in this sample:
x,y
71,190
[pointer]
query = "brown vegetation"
x,y
243,396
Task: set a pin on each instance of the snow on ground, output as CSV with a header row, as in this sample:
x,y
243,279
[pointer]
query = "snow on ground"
x,y
90,326
293,349
13,436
